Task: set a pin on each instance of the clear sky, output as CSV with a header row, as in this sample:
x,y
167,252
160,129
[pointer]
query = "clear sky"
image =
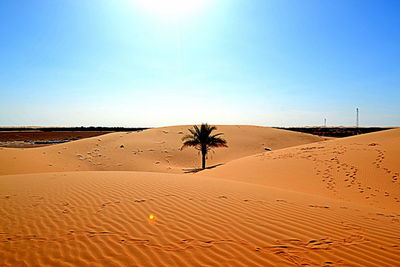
x,y
262,62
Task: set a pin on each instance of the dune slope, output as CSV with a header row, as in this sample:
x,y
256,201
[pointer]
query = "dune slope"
x,y
102,218
154,150
363,169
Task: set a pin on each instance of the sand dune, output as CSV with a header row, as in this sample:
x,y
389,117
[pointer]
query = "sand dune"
x,y
154,150
361,169
102,218
308,202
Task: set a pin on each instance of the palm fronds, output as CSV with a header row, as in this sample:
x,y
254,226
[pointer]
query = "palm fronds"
x,y
202,139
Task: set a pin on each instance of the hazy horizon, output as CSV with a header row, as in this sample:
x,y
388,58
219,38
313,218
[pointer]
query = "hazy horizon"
x,y
161,126
137,63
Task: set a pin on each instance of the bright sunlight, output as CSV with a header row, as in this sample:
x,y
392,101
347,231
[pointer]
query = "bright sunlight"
x,y
172,9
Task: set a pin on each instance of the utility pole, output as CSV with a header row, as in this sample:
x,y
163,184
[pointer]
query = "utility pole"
x,y
325,122
357,118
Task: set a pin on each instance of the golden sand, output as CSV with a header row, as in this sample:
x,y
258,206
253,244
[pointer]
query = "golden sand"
x,y
105,201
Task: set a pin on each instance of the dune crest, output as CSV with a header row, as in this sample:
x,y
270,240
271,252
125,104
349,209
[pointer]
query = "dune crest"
x,y
153,150
364,169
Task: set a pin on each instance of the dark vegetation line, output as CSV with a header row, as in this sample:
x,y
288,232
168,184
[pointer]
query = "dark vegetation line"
x,y
335,131
73,129
321,131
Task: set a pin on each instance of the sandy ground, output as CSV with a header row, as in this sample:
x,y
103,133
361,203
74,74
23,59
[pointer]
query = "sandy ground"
x,y
155,150
364,169
26,139
288,207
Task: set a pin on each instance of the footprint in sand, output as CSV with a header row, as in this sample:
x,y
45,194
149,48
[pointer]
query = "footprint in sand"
x,y
104,205
318,206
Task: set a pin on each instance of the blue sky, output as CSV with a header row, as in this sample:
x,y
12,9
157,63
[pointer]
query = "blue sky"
x,y
273,63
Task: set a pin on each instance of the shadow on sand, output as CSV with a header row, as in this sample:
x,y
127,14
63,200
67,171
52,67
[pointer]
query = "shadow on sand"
x,y
200,169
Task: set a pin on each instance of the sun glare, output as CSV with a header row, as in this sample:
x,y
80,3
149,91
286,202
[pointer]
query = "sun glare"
x,y
172,9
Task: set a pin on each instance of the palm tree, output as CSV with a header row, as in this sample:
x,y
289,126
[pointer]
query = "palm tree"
x,y
202,139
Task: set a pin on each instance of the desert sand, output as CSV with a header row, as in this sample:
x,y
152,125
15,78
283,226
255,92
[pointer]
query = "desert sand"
x,y
154,150
37,138
124,199
364,169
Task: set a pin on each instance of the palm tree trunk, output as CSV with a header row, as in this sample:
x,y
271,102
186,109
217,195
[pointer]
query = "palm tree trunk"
x,y
203,159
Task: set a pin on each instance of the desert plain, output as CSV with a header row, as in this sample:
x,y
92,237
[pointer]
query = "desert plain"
x,y
272,198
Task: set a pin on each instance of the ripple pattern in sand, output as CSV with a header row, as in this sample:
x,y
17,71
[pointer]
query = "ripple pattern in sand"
x,y
103,219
